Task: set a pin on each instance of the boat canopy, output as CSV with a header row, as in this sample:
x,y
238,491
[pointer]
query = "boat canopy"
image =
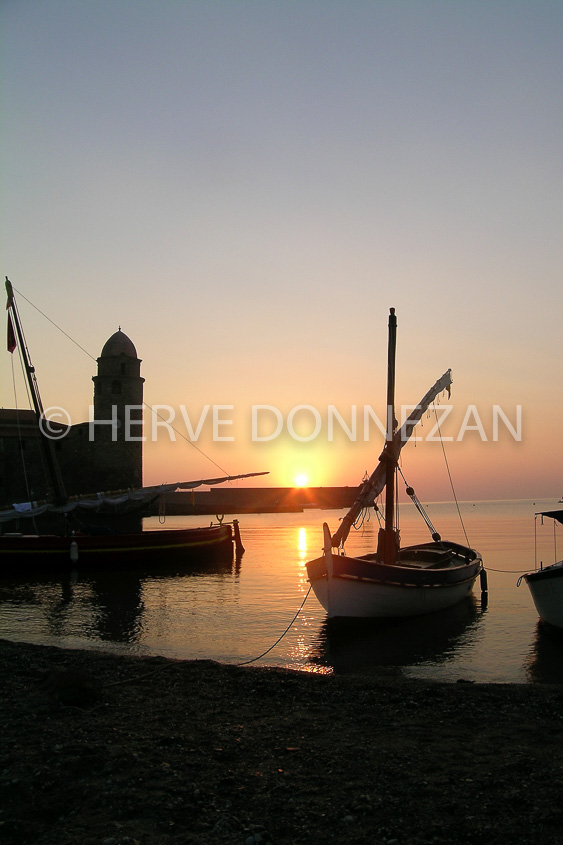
x,y
120,497
557,515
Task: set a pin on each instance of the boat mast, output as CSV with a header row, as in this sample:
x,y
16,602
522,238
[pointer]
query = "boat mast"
x,y
46,444
387,539
370,489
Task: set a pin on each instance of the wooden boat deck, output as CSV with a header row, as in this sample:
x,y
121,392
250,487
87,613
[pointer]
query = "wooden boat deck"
x,y
424,558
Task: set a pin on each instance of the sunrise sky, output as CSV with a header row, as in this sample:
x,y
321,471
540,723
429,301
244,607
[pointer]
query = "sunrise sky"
x,y
246,188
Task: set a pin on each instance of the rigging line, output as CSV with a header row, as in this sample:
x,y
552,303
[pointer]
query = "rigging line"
x,y
20,440
280,638
377,513
27,391
190,442
25,382
397,511
360,519
53,323
450,476
418,505
95,359
29,361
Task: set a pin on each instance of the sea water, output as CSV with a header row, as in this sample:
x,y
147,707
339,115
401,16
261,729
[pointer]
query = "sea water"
x,y
257,609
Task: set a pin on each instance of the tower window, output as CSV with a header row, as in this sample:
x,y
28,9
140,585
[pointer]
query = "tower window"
x,y
116,386
122,369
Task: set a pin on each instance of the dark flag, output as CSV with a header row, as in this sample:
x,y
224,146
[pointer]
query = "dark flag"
x,y
11,335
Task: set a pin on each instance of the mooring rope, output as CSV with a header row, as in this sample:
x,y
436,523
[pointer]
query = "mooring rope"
x,y
280,638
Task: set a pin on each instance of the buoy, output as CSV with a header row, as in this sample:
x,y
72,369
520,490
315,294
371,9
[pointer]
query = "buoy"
x,y
484,584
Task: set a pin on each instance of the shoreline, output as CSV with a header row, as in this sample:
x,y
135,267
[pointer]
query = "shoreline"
x,y
106,749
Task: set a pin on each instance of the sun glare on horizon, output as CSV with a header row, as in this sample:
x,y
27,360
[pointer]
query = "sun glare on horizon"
x,y
301,480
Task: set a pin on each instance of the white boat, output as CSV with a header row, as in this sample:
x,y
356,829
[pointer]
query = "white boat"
x,y
393,581
546,584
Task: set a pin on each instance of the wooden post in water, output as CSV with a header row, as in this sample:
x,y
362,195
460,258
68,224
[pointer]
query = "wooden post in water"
x,y
238,542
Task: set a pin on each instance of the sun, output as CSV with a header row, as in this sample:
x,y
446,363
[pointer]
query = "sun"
x,y
301,480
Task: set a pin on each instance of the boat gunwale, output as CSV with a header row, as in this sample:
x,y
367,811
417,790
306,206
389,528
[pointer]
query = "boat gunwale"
x,y
396,574
142,540
547,573
406,583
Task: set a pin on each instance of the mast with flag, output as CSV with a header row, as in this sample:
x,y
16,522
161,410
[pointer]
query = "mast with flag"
x,y
53,468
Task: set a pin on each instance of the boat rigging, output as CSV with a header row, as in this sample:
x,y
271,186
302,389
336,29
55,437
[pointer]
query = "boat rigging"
x,y
392,581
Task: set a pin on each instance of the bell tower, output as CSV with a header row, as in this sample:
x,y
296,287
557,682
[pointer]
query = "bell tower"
x,y
118,414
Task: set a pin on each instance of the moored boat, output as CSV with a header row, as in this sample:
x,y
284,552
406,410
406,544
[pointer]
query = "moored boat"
x,y
392,581
546,583
70,544
50,552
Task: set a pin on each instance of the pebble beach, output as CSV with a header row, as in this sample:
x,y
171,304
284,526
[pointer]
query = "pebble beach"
x,y
99,749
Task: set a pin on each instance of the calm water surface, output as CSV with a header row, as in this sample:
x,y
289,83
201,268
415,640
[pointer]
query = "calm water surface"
x,y
235,613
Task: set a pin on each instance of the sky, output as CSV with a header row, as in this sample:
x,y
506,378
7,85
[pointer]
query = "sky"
x,y
247,188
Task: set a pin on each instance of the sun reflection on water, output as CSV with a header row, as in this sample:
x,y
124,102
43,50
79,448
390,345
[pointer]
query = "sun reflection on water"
x,y
236,612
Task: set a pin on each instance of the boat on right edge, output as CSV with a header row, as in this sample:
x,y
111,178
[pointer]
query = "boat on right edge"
x,y
393,581
546,583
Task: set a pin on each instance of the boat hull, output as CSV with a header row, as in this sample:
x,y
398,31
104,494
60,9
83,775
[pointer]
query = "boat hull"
x,y
114,551
365,588
546,588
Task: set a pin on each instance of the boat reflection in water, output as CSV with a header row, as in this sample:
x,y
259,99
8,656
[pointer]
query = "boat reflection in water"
x,y
117,598
105,606
372,645
544,664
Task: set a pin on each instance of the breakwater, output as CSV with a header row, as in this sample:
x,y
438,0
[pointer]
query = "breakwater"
x,y
228,500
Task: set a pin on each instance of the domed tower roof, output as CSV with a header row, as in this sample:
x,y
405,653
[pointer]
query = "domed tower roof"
x,y
119,344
